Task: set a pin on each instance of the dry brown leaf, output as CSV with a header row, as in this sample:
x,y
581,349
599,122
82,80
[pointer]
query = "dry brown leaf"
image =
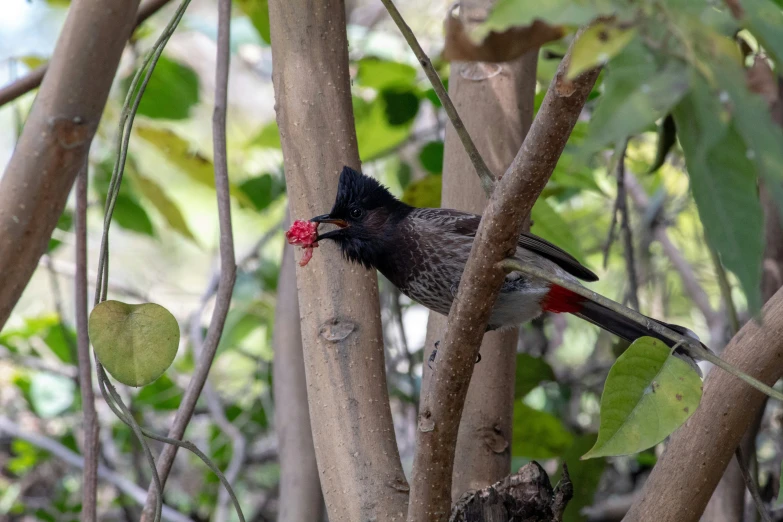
x,y
762,81
496,47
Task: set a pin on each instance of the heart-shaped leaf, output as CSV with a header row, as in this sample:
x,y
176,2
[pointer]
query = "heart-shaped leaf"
x,y
648,394
136,343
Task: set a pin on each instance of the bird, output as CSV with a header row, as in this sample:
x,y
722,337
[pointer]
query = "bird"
x,y
423,252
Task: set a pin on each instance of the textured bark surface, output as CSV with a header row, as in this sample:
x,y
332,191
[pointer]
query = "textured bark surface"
x,y
56,137
497,236
300,485
698,453
497,110
524,496
358,462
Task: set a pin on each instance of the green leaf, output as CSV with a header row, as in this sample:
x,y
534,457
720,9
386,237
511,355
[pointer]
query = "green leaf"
x,y
51,394
60,345
433,97
647,395
258,12
376,137
161,395
25,457
537,434
127,212
130,215
65,222
572,13
531,371
424,192
723,183
268,137
401,105
171,92
136,343
667,137
262,190
597,45
178,152
431,157
548,224
381,74
634,98
167,208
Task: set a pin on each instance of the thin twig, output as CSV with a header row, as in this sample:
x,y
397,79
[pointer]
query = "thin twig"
x,y
684,269
34,78
216,411
625,227
227,259
690,345
74,459
750,483
91,440
484,174
117,406
39,363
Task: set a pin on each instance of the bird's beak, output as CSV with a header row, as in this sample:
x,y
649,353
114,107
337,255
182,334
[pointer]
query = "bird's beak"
x,y
328,219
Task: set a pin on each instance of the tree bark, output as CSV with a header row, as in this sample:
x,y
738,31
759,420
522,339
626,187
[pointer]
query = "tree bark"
x,y
358,461
56,137
684,478
496,238
497,112
300,485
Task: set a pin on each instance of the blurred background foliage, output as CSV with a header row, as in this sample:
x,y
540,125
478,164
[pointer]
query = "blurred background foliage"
x,y
164,249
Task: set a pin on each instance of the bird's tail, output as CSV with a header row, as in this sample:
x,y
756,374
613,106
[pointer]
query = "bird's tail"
x,y
623,327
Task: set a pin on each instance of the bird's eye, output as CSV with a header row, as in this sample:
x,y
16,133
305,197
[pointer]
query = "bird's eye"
x,y
356,213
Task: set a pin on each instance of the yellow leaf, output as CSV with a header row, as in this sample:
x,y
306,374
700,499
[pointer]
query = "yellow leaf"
x,y
597,45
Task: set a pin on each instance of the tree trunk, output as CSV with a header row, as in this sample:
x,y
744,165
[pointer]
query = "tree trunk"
x,y
685,476
300,485
497,110
358,461
56,138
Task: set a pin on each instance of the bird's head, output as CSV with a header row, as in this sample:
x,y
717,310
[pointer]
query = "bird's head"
x,y
365,213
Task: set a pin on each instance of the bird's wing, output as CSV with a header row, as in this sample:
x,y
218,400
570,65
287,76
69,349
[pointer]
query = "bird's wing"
x,y
466,224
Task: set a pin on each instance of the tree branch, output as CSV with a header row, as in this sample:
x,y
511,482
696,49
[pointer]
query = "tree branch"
x,y
75,460
33,79
91,440
56,138
483,172
496,237
498,112
227,259
698,453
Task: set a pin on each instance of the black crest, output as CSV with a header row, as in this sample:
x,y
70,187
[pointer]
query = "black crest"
x,y
356,188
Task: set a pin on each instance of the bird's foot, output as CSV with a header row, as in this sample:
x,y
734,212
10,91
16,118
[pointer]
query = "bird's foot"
x,y
434,353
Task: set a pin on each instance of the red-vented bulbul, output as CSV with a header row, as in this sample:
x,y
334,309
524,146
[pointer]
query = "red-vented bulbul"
x,y
423,252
